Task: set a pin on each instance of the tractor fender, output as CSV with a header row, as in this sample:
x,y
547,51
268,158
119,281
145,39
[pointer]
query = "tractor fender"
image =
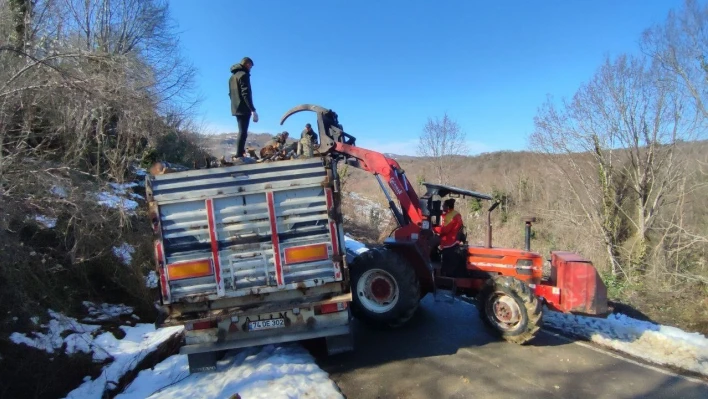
x,y
415,258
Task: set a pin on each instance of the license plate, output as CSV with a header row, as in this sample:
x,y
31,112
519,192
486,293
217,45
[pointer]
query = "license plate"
x,y
265,324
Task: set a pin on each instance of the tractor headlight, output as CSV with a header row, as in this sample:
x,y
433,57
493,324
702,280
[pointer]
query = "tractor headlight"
x,y
426,225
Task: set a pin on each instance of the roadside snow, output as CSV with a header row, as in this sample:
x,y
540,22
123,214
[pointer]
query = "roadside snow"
x,y
46,221
262,372
652,342
60,330
124,253
139,341
67,335
151,279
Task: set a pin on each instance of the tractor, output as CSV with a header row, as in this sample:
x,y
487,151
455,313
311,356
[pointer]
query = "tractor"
x,y
509,285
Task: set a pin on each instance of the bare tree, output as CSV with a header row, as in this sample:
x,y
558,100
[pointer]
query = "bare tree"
x,y
441,140
679,46
616,143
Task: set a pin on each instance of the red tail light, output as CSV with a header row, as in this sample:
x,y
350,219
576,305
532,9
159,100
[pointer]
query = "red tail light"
x,y
202,325
331,308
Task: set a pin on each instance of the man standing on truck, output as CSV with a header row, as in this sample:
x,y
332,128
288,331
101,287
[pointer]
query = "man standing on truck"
x,y
308,140
449,231
241,97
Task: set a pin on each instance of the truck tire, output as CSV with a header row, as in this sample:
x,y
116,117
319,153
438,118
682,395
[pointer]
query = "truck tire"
x,y
385,289
510,309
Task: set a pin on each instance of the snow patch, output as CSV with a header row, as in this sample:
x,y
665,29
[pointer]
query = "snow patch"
x,y
652,342
111,200
122,188
105,311
151,279
78,336
124,253
46,221
270,372
126,353
59,191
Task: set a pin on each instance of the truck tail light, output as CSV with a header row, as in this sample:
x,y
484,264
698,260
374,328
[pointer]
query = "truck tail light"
x,y
190,269
331,308
201,325
306,253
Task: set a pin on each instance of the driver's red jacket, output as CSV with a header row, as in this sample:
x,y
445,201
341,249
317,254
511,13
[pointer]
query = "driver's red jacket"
x,y
448,229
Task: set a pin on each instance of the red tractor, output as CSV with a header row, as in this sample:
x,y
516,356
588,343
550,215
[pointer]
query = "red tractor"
x,y
509,285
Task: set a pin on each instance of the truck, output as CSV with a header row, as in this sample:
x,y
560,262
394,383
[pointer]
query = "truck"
x,y
251,254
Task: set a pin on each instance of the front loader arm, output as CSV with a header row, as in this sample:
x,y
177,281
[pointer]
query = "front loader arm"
x,y
340,145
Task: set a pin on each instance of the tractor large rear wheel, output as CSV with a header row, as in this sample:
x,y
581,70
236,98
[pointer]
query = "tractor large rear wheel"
x,y
508,306
385,289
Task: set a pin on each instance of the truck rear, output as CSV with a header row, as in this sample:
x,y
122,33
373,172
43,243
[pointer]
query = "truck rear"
x,y
250,255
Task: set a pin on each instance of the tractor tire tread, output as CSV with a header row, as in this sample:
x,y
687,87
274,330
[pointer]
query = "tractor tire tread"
x,y
406,279
532,306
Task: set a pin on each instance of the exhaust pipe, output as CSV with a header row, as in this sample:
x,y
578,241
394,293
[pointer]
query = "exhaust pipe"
x,y
527,239
489,224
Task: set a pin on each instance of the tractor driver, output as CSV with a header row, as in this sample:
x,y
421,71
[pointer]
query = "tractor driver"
x,y
449,231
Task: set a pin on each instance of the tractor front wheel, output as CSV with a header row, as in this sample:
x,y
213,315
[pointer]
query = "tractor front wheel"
x,y
385,288
508,306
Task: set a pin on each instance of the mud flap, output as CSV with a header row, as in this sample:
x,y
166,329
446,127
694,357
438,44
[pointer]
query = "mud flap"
x,y
200,362
337,344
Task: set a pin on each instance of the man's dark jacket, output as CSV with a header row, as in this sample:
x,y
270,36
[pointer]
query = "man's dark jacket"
x,y
240,91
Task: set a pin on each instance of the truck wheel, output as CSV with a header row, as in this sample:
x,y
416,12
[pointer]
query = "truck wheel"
x,y
508,306
385,288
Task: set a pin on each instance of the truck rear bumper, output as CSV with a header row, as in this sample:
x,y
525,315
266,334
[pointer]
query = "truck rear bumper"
x,y
267,340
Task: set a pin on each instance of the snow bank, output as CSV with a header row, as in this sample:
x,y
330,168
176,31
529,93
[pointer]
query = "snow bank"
x,y
139,341
261,372
59,331
665,345
123,354
124,253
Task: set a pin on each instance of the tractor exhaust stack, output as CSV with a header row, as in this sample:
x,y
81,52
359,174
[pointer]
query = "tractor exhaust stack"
x,y
489,224
527,238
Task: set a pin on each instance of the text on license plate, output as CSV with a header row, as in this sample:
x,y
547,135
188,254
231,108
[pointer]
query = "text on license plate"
x,y
265,324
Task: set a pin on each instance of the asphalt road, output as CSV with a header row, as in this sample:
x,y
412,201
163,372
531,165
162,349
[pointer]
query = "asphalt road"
x,y
446,352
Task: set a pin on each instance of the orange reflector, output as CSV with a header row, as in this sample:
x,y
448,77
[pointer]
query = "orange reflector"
x,y
306,253
198,268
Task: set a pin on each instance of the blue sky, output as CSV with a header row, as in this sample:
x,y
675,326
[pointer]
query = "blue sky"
x,y
386,66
